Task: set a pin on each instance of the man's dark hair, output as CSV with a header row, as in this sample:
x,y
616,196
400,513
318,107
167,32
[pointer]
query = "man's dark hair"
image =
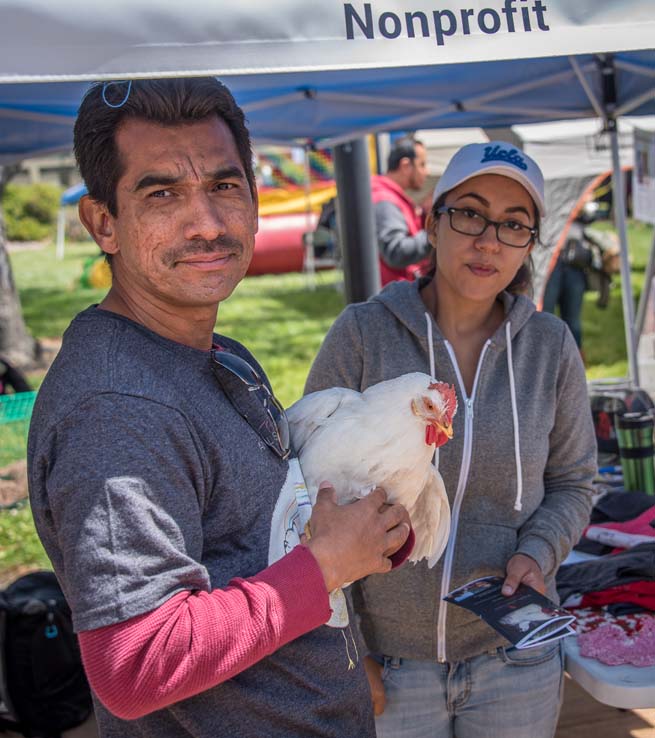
x,y
168,102
403,148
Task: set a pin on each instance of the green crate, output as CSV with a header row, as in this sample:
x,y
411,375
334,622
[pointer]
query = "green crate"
x,y
15,414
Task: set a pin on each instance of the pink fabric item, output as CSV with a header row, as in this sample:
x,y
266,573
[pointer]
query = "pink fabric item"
x,y
639,525
403,553
611,645
196,640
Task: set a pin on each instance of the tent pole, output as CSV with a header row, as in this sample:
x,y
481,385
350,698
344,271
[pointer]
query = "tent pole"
x,y
61,234
645,293
361,270
618,200
309,264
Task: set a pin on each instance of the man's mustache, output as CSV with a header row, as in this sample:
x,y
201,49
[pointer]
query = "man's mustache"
x,y
197,247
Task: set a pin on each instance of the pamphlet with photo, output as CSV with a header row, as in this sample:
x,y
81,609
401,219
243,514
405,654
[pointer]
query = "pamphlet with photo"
x,y
525,618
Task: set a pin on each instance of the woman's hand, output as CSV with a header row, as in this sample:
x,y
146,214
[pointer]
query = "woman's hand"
x,y
374,674
521,569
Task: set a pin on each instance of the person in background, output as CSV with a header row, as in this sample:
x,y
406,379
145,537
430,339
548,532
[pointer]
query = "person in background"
x,y
518,471
587,261
161,479
402,240
567,282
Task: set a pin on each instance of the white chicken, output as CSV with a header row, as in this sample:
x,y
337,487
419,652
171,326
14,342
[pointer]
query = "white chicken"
x,y
382,437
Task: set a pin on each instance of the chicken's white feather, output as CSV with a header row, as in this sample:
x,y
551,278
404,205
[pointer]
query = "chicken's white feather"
x,y
359,441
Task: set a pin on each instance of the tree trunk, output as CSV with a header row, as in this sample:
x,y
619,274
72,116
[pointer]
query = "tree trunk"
x,y
16,344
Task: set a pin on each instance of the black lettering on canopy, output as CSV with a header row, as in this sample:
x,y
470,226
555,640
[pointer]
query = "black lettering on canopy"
x,y
409,20
439,29
395,24
366,26
391,25
483,14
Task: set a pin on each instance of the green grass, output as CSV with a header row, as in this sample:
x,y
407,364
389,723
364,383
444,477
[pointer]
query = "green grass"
x,y
49,288
603,336
20,548
283,323
279,318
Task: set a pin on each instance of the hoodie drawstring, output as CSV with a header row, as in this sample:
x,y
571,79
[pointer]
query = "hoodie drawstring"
x,y
515,420
428,320
518,506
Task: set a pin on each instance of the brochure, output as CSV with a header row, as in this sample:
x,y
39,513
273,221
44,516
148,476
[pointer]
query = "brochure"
x,y
525,618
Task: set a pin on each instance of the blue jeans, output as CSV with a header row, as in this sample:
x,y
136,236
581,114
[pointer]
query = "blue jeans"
x,y
507,694
565,289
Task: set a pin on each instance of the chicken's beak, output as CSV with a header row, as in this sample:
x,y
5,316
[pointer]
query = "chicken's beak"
x,y
446,429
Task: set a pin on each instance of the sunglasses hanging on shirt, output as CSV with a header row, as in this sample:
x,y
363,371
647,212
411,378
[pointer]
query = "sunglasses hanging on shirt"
x,y
273,428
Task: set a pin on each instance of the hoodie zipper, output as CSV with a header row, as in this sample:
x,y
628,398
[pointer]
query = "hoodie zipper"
x,y
461,486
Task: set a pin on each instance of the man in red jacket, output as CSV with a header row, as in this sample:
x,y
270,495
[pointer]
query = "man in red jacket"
x,y
402,240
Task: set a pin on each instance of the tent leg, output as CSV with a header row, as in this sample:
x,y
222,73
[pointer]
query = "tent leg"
x,y
645,293
61,234
309,264
361,270
626,284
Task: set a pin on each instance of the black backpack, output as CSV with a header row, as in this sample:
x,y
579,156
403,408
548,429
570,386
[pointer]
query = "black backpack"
x,y
43,688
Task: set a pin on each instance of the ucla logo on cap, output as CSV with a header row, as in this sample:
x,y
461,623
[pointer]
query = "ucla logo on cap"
x,y
497,153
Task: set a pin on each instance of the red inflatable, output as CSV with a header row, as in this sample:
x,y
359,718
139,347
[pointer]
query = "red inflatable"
x,y
279,243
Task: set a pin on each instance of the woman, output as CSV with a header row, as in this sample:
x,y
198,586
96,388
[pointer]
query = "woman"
x,y
518,471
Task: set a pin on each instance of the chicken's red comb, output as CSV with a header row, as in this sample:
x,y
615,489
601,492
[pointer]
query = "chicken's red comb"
x,y
449,394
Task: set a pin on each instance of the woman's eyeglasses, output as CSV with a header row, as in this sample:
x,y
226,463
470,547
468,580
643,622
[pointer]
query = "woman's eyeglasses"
x,y
469,222
275,429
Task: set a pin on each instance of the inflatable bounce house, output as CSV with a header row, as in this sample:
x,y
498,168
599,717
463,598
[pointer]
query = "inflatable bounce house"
x,y
294,185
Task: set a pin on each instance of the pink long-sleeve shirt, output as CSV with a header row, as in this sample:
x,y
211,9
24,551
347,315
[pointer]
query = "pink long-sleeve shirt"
x,y
196,640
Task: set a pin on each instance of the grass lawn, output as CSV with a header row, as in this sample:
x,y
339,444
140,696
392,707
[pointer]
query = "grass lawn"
x,y
603,337
279,318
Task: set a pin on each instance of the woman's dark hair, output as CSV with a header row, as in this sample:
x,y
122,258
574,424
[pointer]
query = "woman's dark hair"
x,y
522,284
168,102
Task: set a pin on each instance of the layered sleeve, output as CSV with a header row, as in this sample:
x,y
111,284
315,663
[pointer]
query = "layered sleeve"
x,y
123,523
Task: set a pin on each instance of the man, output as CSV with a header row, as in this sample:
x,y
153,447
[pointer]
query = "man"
x,y
402,240
160,477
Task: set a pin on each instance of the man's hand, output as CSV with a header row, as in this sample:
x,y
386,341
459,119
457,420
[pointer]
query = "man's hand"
x,y
352,541
521,569
374,674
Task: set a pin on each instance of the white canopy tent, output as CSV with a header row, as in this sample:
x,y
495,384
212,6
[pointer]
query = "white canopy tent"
x,y
333,71
82,40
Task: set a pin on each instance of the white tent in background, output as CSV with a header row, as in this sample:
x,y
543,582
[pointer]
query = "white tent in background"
x,y
572,154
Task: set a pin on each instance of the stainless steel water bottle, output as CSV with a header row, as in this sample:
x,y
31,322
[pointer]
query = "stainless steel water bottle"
x,y
634,433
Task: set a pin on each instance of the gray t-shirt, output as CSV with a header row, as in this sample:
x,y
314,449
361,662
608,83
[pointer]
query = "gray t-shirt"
x,y
146,481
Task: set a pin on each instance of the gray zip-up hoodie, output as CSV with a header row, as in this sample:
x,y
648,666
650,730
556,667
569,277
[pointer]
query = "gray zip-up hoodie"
x,y
518,471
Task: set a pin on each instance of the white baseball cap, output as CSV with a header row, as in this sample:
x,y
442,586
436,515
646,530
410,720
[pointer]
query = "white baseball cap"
x,y
495,157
